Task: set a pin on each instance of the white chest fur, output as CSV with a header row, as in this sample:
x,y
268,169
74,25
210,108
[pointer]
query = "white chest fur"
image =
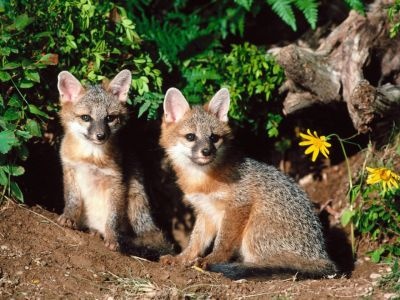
x,y
209,205
95,190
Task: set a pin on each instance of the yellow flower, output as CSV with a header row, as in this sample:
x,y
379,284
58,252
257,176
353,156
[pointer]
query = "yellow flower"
x,y
316,144
387,177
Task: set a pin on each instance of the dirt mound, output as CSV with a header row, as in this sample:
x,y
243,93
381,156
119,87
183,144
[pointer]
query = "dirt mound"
x,y
40,259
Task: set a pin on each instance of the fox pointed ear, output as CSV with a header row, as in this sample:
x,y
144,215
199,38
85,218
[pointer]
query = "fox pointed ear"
x,y
120,85
175,105
69,87
219,104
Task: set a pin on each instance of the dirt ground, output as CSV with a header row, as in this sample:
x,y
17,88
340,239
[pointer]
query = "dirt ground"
x,y
40,259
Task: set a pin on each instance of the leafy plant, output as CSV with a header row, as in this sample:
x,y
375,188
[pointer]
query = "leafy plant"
x,y
39,39
391,281
377,216
185,29
373,210
394,16
251,75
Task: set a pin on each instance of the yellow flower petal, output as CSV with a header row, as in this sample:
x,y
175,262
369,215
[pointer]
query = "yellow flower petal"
x,y
326,144
306,143
315,154
310,149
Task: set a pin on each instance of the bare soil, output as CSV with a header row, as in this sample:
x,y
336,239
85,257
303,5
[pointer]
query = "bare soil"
x,y
40,259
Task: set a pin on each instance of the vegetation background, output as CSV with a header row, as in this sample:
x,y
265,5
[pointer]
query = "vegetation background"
x,y
198,47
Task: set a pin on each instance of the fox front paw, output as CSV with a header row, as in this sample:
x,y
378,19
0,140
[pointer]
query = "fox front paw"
x,y
205,262
169,260
176,260
66,222
202,263
112,245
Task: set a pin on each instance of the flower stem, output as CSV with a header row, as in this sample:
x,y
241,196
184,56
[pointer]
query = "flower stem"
x,y
352,238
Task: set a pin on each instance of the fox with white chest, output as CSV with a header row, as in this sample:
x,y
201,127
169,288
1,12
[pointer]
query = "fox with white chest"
x,y
243,208
103,188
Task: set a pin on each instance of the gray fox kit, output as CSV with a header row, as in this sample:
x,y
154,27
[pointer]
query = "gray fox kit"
x,y
243,207
103,189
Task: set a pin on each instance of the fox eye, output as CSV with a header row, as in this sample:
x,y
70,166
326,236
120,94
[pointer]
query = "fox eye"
x,y
190,137
111,118
86,118
214,138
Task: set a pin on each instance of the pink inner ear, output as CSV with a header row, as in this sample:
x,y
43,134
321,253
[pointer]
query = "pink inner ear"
x,y
120,85
71,91
219,105
69,87
175,105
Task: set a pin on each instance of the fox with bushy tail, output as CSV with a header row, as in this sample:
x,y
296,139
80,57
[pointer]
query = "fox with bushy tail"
x,y
103,183
244,208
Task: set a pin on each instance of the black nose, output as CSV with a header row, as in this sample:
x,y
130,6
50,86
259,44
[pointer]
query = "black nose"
x,y
206,152
100,136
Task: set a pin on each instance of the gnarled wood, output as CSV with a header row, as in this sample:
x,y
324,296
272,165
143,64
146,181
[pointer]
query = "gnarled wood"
x,y
357,52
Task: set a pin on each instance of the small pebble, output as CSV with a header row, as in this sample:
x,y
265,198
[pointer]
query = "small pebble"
x,y
240,281
389,296
375,276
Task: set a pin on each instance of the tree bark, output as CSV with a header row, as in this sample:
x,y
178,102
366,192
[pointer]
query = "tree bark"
x,y
350,65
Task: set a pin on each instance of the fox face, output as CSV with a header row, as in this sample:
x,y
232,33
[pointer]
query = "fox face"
x,y
198,136
93,113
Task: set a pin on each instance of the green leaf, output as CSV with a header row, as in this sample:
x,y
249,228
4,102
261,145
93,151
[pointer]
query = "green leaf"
x,y
16,191
376,255
26,84
32,76
4,76
347,216
14,101
7,141
3,177
143,108
11,66
33,109
14,170
33,128
354,192
11,114
22,21
23,134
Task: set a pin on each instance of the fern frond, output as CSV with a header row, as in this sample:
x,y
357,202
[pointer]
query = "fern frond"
x,y
310,10
357,5
245,3
283,8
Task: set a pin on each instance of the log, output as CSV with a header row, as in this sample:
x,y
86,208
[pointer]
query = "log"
x,y
351,64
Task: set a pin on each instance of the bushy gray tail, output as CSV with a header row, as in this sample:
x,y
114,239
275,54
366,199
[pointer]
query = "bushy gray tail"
x,y
150,245
237,271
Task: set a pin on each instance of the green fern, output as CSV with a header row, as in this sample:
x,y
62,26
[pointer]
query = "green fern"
x,y
283,8
357,5
310,11
245,3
